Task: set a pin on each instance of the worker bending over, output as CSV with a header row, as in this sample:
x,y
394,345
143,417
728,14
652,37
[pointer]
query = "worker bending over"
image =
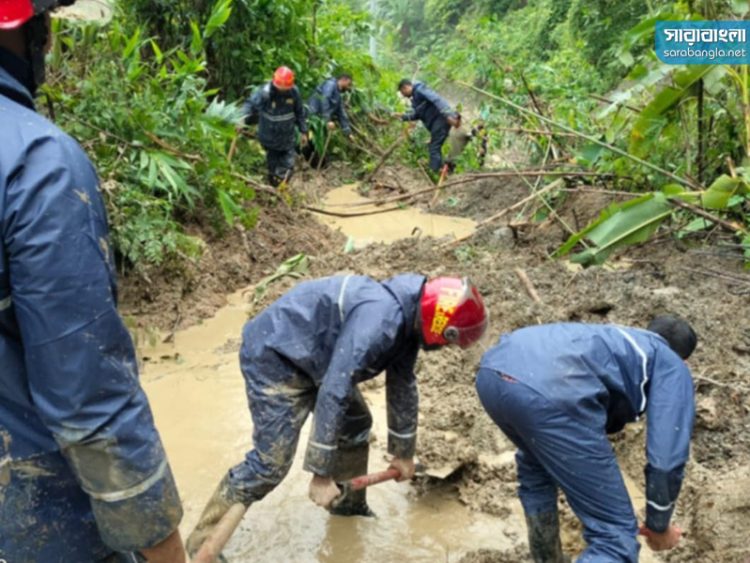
x,y
556,391
308,351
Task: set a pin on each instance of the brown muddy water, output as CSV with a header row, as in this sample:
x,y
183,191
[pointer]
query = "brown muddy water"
x,y
387,227
198,397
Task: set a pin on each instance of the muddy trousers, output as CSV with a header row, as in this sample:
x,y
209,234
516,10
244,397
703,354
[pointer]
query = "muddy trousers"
x,y
556,450
439,134
278,416
280,165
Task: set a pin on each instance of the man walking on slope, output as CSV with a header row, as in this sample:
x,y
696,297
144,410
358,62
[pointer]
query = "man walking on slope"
x,y
434,112
327,105
83,475
278,110
556,391
307,352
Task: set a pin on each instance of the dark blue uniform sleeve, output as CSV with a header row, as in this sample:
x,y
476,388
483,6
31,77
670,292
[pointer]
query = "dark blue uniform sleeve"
x,y
252,106
327,94
402,398
439,102
361,343
343,118
410,115
299,111
670,413
79,356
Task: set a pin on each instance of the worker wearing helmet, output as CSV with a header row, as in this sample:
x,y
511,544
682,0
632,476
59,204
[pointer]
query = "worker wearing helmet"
x,y
556,391
278,110
308,351
83,475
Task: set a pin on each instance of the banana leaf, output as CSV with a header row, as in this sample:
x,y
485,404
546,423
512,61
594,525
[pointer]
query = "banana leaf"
x,y
724,188
619,225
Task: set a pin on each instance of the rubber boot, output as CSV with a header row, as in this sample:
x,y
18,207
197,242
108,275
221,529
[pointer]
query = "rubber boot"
x,y
350,463
544,538
219,504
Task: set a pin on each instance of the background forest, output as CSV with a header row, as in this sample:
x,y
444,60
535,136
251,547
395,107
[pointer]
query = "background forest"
x,y
154,97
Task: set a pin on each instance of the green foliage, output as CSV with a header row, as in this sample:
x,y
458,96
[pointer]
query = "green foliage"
x,y
158,135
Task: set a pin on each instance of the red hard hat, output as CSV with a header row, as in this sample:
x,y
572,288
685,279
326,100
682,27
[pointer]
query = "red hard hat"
x,y
15,13
452,312
283,78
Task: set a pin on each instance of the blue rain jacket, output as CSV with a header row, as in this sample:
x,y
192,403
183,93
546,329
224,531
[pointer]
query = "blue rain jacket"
x,y
277,114
607,376
428,107
328,103
82,469
340,331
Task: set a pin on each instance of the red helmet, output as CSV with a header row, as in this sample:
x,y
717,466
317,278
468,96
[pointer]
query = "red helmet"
x,y
452,312
15,13
283,78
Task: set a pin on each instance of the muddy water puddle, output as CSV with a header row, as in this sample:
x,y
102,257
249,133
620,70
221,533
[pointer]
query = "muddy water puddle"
x,y
387,227
198,398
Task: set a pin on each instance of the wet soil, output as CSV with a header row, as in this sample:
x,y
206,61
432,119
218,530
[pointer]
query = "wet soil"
x,y
458,444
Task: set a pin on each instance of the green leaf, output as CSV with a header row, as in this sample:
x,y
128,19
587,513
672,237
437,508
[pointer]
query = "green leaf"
x,y
219,16
620,225
196,44
132,44
695,226
719,193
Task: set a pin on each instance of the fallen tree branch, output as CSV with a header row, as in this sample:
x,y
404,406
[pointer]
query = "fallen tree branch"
x,y
384,158
590,138
735,386
345,215
500,214
708,216
527,285
261,188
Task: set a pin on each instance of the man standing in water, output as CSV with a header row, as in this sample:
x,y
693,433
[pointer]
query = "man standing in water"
x,y
83,475
307,352
556,391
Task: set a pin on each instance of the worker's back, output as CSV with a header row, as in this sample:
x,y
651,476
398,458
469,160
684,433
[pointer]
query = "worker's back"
x,y
593,368
303,326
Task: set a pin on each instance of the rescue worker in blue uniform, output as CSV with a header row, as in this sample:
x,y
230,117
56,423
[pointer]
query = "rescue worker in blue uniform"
x,y
327,105
278,110
83,475
557,390
434,112
307,352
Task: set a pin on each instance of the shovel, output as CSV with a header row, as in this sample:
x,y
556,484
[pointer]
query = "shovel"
x,y
359,483
214,544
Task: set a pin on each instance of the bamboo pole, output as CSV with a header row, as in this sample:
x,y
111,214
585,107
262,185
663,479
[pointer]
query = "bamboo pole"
x,y
612,148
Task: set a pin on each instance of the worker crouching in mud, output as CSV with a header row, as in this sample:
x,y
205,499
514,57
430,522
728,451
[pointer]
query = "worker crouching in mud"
x,y
278,110
556,391
307,352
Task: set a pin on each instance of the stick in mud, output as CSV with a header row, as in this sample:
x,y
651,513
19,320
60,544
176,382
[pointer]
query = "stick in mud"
x,y
499,215
527,285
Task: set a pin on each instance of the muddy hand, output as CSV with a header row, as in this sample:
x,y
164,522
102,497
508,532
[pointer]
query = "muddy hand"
x,y
661,541
405,467
323,491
